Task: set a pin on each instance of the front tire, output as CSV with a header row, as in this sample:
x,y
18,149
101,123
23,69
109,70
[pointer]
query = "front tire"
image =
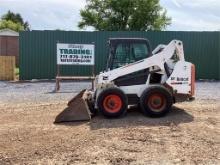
x,y
112,102
156,101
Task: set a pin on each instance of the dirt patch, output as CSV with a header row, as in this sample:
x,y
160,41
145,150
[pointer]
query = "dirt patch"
x,y
189,134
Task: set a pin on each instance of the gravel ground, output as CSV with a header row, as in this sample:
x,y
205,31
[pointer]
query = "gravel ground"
x,y
189,134
43,92
39,92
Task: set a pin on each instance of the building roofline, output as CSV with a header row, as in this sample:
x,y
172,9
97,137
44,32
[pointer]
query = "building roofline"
x,y
8,32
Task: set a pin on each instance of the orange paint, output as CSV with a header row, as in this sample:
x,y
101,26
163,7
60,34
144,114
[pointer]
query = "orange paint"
x,y
112,103
193,78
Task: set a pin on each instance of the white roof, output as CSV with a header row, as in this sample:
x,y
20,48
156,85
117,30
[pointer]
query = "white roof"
x,y
8,32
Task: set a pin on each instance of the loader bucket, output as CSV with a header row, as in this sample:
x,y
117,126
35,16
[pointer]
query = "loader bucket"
x,y
77,110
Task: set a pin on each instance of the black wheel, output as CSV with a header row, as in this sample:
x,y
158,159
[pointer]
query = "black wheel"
x,y
112,102
156,101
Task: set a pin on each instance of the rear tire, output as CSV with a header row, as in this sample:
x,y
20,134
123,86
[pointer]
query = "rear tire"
x,y
112,102
156,101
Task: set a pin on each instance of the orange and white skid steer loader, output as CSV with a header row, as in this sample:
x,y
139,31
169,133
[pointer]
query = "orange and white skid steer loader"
x,y
136,76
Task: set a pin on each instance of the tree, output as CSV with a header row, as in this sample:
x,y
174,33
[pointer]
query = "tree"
x,y
11,25
16,18
113,15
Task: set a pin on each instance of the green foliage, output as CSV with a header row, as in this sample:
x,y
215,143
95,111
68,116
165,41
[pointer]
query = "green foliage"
x,y
113,15
11,25
16,19
17,71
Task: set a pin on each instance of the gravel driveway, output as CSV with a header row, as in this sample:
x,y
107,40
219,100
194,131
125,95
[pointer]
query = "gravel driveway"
x,y
38,92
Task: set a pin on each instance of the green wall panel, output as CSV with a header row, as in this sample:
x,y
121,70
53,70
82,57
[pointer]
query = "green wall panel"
x,y
38,51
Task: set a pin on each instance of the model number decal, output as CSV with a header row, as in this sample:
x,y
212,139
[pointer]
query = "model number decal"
x,y
179,79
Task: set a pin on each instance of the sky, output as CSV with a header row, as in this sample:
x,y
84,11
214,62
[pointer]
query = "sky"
x,y
187,15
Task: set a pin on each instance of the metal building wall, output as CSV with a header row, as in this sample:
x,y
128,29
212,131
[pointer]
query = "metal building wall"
x,y
38,51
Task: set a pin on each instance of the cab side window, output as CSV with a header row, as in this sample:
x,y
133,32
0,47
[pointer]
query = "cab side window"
x,y
127,53
139,51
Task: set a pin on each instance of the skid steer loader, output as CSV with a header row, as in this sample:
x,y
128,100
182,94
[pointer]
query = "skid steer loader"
x,y
136,76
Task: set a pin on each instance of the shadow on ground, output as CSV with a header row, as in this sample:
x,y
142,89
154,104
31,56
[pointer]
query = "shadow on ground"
x,y
135,118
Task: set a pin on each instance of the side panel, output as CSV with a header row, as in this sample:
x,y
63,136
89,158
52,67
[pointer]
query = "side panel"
x,y
181,78
136,78
134,89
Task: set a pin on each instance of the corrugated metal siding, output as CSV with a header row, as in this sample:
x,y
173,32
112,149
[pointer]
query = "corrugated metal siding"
x,y
38,51
218,56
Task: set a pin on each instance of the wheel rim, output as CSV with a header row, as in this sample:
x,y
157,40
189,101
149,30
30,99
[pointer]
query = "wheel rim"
x,y
156,102
112,103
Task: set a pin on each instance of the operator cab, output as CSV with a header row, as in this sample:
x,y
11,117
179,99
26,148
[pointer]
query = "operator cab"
x,y
123,51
